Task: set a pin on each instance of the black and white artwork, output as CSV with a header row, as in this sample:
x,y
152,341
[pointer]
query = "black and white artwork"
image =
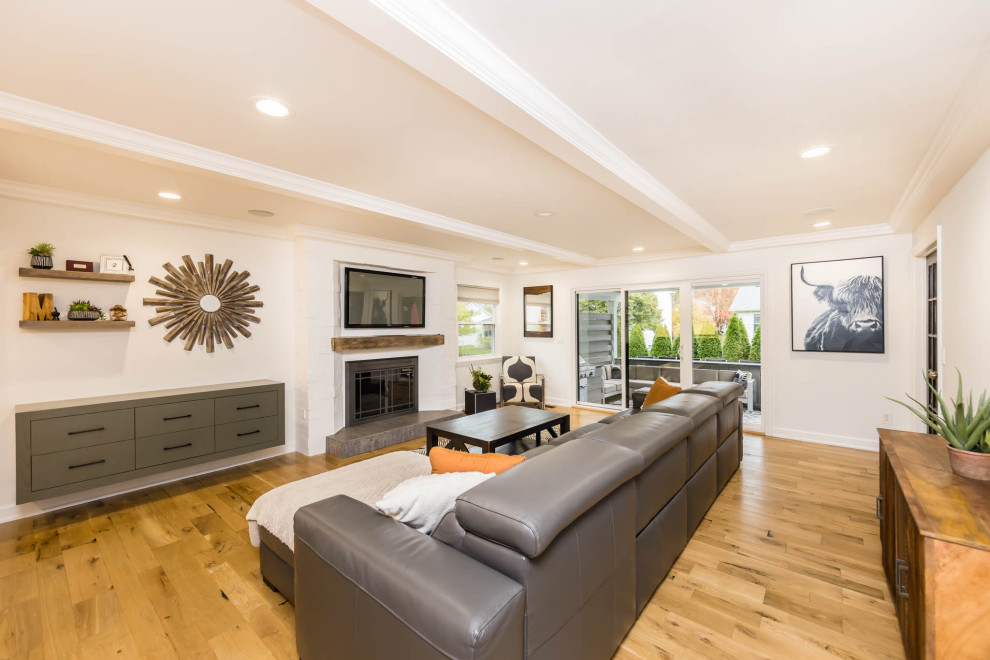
x,y
837,306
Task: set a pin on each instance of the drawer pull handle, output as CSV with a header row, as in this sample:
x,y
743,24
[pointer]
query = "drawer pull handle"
x,y
102,460
249,432
901,568
879,507
188,444
102,428
257,405
169,419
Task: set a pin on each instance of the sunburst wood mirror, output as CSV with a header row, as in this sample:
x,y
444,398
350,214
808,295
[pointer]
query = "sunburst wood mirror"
x,y
204,303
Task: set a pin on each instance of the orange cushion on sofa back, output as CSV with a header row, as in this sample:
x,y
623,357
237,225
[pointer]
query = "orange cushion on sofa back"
x,y
446,460
660,390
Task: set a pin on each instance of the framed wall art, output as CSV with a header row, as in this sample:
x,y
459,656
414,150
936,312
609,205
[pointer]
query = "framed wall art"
x,y
838,306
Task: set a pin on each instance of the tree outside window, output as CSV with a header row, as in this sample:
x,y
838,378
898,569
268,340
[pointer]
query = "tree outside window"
x,y
475,328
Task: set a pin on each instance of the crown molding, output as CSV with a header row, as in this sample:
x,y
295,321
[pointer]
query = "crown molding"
x,y
646,257
70,199
864,231
953,142
448,33
67,122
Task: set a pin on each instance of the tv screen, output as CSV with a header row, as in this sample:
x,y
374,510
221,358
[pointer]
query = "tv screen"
x,y
376,299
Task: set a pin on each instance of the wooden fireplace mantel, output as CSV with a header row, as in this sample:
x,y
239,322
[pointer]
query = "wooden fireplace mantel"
x,y
344,344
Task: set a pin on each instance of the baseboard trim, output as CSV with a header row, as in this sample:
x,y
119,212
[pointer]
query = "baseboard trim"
x,y
12,512
849,442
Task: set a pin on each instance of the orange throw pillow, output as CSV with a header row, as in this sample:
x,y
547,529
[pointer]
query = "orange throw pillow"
x,y
447,460
660,390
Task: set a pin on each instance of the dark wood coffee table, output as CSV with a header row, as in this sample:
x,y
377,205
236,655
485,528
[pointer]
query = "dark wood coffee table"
x,y
494,428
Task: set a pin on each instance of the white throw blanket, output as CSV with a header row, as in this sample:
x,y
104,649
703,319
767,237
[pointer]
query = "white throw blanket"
x,y
421,502
366,481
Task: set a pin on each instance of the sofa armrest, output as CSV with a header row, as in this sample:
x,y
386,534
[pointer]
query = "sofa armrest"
x,y
367,586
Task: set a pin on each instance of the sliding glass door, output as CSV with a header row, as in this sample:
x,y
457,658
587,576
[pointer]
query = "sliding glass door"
x,y
653,339
599,349
725,342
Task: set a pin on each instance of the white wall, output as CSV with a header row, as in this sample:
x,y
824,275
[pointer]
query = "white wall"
x,y
964,218
504,333
44,366
320,371
830,397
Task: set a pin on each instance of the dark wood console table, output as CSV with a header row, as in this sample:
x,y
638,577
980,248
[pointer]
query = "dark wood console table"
x,y
935,538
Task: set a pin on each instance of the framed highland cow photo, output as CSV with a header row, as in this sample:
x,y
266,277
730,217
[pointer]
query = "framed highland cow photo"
x,y
837,306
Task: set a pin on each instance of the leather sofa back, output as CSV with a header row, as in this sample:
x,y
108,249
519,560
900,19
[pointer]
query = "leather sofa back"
x,y
526,507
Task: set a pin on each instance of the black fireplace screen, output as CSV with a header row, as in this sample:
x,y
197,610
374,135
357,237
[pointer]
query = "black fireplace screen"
x,y
380,388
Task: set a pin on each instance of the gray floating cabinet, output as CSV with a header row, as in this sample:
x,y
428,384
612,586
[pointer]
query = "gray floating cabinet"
x,y
69,446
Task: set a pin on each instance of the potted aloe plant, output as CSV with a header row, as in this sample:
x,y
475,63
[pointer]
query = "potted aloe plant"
x,y
966,427
41,255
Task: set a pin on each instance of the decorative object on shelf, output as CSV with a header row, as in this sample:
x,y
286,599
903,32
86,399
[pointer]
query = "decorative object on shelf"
x,y
32,307
56,314
129,266
118,313
538,311
837,306
47,302
41,255
112,264
481,381
78,266
964,426
83,310
204,303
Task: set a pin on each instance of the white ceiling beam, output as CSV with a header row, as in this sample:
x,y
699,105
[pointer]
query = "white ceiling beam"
x,y
67,122
448,34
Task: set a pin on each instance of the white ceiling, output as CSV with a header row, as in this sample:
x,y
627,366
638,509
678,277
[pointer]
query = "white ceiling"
x,y
705,107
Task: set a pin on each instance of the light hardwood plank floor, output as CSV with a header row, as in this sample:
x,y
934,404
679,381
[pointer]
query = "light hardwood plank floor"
x,y
785,565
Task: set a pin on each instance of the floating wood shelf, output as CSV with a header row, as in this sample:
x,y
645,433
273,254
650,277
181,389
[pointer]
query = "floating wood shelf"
x,y
44,274
342,344
76,326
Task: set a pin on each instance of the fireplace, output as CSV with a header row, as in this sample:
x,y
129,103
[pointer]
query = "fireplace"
x,y
378,389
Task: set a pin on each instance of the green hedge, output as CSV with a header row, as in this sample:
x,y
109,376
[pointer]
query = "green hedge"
x,y
706,342
736,344
637,343
754,350
661,343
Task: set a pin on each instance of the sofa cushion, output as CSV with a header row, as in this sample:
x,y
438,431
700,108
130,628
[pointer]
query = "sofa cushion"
x,y
671,374
650,436
611,419
726,376
577,433
704,375
527,507
697,407
659,391
723,391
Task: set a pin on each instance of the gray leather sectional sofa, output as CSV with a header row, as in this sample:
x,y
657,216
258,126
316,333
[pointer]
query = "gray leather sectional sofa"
x,y
554,558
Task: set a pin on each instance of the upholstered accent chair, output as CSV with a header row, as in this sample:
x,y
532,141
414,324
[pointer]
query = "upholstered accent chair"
x,y
519,383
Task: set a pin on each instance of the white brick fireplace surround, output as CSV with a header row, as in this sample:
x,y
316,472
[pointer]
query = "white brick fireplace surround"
x,y
320,386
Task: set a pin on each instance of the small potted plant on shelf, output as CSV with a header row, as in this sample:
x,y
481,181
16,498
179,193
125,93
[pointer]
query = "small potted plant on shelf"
x,y
41,255
83,310
481,381
966,428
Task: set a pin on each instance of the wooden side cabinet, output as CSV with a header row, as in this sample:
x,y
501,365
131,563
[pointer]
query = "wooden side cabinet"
x,y
935,540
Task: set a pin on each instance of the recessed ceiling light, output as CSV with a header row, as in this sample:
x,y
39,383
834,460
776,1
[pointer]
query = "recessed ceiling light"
x,y
261,213
822,210
498,258
523,263
169,195
545,213
271,107
637,249
823,223
815,152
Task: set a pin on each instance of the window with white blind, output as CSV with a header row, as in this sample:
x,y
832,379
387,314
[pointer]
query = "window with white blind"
x,y
477,312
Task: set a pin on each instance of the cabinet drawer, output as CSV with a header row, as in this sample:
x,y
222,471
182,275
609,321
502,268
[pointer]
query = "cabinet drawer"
x,y
170,417
170,447
245,406
74,465
75,431
246,433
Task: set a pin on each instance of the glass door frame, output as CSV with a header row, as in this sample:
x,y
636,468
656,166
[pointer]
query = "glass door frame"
x,y
575,375
686,288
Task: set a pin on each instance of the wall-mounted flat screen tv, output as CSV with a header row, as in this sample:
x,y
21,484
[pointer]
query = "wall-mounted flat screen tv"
x,y
377,299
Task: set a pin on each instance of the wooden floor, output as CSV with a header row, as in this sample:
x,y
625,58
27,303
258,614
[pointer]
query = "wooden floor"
x,y
785,565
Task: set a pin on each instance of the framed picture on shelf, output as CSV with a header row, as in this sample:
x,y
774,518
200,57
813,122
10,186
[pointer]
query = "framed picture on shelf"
x,y
838,306
112,264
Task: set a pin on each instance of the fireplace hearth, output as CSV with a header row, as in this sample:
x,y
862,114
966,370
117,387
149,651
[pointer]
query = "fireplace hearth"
x,y
379,389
